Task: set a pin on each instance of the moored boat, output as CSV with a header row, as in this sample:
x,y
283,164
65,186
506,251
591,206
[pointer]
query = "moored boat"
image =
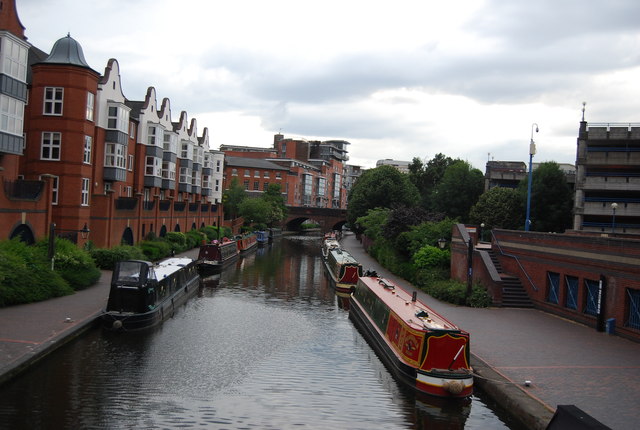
x,y
214,256
144,294
246,243
343,269
329,243
262,237
421,348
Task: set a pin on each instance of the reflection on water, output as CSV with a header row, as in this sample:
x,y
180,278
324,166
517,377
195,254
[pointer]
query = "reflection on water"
x,y
266,344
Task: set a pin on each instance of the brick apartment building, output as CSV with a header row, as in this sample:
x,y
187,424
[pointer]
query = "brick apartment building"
x,y
76,152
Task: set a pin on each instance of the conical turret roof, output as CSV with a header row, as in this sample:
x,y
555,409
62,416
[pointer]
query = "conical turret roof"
x,y
67,51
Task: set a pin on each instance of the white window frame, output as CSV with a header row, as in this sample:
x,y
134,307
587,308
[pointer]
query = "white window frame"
x,y
118,120
84,201
86,156
152,138
170,143
130,162
11,115
169,170
196,178
114,155
52,142
152,166
55,183
91,98
53,101
13,57
185,175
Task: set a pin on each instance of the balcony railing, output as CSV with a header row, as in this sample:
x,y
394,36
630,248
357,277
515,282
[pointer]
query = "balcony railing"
x,y
126,203
23,190
164,205
193,207
148,205
179,206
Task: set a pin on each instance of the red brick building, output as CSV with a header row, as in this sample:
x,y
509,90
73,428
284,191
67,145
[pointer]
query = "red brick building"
x,y
560,273
311,173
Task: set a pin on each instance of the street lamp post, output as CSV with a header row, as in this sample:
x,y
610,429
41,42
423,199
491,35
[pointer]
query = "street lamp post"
x,y
614,206
442,242
532,152
52,239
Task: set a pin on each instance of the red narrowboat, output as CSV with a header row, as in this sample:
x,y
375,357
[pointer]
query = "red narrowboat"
x,y
421,348
216,255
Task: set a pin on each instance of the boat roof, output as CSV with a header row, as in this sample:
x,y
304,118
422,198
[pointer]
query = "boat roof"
x,y
170,265
343,257
416,314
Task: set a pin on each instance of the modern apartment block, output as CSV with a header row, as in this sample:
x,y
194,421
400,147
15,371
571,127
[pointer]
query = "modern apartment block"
x,y
77,153
402,166
608,178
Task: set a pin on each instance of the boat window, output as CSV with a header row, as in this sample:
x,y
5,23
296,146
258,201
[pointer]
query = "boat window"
x,y
129,271
152,274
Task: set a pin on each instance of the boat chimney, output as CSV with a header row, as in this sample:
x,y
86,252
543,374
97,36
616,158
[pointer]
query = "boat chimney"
x,y
414,296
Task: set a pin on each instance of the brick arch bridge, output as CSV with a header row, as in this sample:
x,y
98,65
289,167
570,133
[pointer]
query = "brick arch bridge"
x,y
329,219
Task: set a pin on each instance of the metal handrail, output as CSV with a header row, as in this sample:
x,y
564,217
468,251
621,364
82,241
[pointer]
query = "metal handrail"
x,y
515,257
608,125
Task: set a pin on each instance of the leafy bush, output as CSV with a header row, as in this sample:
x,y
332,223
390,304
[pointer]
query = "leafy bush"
x,y
74,265
212,232
195,238
107,258
177,241
308,225
26,276
449,291
480,297
455,292
155,250
431,257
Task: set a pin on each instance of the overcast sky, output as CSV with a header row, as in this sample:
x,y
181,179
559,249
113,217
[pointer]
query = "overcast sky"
x,y
397,79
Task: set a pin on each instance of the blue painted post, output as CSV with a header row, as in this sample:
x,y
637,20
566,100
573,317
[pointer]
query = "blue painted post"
x,y
532,151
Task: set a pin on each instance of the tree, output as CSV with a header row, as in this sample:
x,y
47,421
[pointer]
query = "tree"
x,y
254,210
458,191
373,222
499,208
427,176
382,187
278,210
232,197
551,198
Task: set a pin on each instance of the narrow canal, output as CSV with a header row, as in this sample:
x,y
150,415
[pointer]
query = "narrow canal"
x,y
264,345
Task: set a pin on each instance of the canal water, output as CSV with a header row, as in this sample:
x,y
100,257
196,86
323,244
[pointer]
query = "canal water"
x,y
264,345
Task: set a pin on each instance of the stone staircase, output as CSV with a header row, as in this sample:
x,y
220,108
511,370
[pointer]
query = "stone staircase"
x,y
513,293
